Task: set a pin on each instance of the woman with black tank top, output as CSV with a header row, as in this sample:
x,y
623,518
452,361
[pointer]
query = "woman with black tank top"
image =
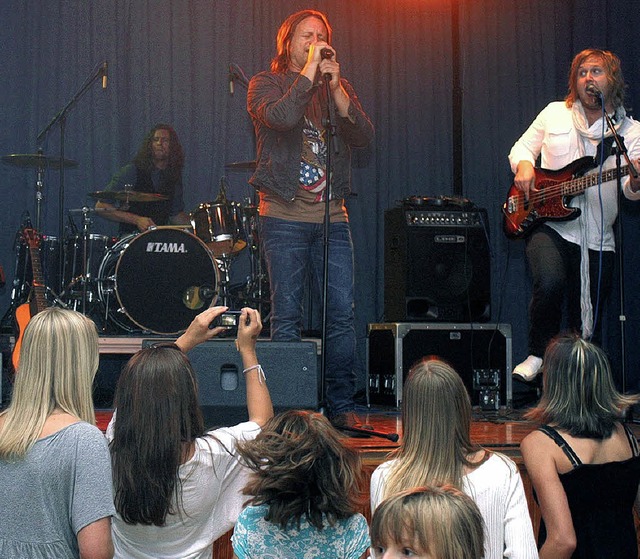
x,y
583,461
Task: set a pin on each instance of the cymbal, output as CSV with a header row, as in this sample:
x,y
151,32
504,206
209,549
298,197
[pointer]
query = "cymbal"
x,y
87,210
127,196
241,166
36,160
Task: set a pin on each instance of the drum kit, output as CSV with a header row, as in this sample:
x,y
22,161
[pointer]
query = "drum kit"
x,y
154,282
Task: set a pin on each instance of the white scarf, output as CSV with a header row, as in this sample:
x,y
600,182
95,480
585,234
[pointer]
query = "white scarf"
x,y
587,132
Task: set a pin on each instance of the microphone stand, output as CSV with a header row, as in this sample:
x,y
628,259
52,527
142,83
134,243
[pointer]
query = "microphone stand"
x,y
332,147
62,118
331,143
620,150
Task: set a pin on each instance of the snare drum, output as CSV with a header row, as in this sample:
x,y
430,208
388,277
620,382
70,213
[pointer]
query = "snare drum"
x,y
157,281
220,227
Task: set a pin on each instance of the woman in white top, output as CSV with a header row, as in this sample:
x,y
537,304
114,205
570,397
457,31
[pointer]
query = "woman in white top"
x,y
436,449
177,487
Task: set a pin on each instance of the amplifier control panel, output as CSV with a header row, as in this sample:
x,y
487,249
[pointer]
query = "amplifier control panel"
x,y
429,218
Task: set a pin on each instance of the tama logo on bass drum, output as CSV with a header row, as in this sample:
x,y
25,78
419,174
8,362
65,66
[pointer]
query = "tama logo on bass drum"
x,y
166,247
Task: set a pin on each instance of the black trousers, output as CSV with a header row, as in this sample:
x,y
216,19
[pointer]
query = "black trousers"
x,y
555,300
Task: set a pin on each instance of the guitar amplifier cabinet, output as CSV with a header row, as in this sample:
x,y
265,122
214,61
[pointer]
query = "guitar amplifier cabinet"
x,y
480,353
436,264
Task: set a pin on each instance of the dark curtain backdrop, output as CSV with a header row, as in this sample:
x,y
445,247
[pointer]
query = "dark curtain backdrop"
x,y
168,61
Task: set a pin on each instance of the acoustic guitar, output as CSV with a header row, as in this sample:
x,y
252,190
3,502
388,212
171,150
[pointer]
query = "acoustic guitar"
x,y
548,200
36,301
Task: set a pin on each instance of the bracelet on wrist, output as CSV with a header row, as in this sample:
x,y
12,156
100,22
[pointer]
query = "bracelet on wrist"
x,y
261,375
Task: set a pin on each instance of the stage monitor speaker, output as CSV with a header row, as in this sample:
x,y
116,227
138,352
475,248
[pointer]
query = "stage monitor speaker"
x,y
291,369
436,265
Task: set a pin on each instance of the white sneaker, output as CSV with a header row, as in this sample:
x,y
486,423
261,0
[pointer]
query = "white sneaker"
x,y
529,369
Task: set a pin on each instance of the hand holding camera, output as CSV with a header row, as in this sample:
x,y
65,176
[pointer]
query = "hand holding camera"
x,y
215,320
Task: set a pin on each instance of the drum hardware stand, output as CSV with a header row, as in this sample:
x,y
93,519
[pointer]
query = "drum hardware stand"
x,y
224,263
84,278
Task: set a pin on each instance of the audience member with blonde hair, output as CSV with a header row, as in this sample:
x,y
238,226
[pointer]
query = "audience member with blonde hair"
x,y
56,498
583,461
304,488
436,449
427,523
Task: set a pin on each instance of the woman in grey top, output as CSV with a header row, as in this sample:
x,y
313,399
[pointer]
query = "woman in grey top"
x,y
55,472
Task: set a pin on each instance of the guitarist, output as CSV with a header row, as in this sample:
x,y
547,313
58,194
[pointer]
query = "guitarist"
x,y
563,256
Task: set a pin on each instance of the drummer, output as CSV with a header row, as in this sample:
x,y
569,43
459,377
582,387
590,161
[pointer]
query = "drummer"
x,y
156,168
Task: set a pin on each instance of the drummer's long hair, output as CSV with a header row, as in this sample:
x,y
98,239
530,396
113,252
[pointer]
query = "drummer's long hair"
x,y
280,62
157,420
144,158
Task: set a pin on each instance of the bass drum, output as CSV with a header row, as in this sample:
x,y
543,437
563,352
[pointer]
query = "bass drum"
x,y
157,281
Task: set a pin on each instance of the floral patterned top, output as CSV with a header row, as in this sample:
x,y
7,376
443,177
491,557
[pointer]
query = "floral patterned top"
x,y
256,538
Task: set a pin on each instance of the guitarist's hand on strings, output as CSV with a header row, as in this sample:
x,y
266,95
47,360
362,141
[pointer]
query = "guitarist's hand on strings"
x,y
525,179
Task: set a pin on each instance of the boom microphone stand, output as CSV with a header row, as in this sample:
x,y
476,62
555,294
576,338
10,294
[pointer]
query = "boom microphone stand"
x,y
620,150
61,117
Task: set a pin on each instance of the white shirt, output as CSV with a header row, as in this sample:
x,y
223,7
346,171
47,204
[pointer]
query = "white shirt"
x,y
212,483
553,136
496,487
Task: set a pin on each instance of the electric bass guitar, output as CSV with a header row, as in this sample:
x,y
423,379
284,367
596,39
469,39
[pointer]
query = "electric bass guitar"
x,y
37,300
548,201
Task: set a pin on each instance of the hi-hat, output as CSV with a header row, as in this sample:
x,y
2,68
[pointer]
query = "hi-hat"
x,y
127,196
241,166
36,160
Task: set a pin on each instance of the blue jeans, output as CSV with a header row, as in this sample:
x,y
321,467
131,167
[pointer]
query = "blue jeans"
x,y
293,250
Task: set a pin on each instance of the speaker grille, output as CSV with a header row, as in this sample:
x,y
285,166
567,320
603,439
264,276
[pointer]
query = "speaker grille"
x,y
437,266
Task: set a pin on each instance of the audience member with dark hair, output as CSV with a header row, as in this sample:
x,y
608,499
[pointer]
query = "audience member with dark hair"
x,y
436,449
56,498
305,487
427,523
583,461
177,487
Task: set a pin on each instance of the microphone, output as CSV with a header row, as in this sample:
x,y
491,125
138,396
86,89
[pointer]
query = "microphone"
x,y
592,89
104,75
231,78
326,53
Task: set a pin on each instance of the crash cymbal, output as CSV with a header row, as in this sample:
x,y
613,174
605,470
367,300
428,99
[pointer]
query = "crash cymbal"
x,y
241,166
36,160
127,196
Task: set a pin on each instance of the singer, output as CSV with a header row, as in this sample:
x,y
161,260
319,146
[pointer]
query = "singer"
x,y
156,168
288,106
564,256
